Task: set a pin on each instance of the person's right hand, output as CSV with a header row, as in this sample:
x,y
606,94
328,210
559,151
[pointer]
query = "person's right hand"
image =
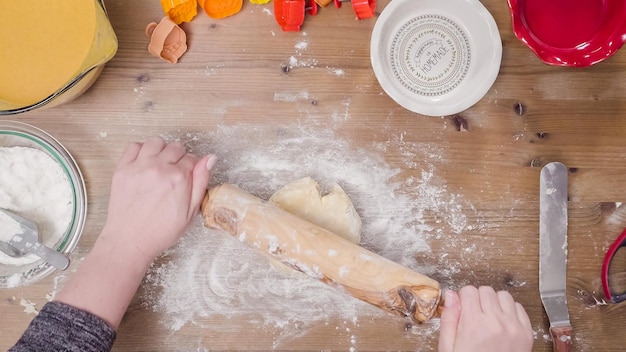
x,y
483,320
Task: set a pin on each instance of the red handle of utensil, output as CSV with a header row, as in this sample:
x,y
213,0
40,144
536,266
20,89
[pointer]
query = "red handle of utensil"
x,y
561,338
364,8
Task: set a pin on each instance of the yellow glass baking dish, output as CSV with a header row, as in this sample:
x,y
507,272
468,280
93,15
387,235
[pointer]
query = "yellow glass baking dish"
x,y
51,51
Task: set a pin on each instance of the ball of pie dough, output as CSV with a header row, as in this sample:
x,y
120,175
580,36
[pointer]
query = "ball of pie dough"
x,y
334,211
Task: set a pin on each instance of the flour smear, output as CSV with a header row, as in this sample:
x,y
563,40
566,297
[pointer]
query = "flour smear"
x,y
209,273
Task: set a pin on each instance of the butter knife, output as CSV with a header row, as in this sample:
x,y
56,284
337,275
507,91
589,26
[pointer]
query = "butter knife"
x,y
553,253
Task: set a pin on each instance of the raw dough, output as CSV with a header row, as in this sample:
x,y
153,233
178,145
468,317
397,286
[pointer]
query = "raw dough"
x,y
334,211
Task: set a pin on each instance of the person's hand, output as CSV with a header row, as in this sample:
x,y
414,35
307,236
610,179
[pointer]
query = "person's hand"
x,y
483,320
156,190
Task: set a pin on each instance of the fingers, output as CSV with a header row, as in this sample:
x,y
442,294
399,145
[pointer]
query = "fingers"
x,y
201,175
489,301
151,147
470,301
507,303
485,320
156,146
173,152
522,316
492,302
449,321
188,162
130,153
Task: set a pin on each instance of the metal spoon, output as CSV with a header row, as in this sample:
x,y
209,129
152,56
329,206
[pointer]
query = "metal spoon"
x,y
28,242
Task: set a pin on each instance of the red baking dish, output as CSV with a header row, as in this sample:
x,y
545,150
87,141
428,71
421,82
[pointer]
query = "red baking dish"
x,y
576,33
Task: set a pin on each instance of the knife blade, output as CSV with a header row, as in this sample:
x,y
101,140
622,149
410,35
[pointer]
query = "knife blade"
x,y
553,252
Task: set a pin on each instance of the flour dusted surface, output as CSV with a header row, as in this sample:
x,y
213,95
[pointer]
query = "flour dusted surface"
x,y
210,274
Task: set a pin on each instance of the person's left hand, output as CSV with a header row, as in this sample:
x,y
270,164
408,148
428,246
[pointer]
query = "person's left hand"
x,y
157,189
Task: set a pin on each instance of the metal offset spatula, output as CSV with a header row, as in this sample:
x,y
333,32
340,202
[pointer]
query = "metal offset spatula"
x,y
553,222
27,242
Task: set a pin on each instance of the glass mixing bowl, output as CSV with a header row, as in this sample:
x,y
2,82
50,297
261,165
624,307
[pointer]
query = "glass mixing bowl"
x,y
13,134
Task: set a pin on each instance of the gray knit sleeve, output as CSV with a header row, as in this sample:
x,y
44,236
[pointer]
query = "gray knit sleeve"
x,y
61,327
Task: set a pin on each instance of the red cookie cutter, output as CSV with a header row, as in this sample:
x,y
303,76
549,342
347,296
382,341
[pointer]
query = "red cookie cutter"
x,y
362,8
290,13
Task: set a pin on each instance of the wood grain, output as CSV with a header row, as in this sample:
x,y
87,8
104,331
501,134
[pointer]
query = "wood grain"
x,y
490,155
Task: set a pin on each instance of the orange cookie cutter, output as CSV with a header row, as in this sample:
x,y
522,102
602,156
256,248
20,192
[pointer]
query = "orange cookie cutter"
x,y
362,8
220,8
323,3
180,10
290,13
167,40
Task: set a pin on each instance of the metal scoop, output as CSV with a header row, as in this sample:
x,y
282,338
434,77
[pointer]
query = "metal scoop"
x,y
28,242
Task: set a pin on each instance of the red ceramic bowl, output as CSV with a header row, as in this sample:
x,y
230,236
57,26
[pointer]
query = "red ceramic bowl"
x,y
576,33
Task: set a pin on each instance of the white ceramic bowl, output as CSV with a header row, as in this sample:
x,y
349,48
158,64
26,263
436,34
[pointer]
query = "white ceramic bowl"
x,y
12,134
436,57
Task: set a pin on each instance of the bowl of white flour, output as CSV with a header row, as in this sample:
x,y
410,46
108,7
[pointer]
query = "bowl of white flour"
x,y
41,181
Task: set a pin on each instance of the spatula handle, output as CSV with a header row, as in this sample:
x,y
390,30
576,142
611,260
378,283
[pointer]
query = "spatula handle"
x,y
51,256
561,338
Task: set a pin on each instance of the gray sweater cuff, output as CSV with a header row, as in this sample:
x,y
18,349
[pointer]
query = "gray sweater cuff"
x,y
61,327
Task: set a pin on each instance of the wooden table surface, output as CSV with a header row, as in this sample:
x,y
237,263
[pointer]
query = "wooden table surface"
x,y
244,81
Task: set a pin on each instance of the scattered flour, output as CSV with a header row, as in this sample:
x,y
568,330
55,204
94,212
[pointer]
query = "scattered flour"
x,y
29,306
296,60
208,273
14,280
33,185
337,71
302,45
290,97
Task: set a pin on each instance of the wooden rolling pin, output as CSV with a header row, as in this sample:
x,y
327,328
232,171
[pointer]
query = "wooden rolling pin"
x,y
321,254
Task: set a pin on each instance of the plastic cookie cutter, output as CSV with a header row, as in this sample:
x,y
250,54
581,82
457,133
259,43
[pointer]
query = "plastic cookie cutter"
x,y
167,40
180,10
324,3
220,8
362,8
614,291
290,13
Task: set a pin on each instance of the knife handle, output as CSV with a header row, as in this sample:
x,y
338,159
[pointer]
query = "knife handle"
x,y
561,338
54,258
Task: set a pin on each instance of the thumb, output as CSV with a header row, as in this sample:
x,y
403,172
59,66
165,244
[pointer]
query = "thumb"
x,y
449,321
201,175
